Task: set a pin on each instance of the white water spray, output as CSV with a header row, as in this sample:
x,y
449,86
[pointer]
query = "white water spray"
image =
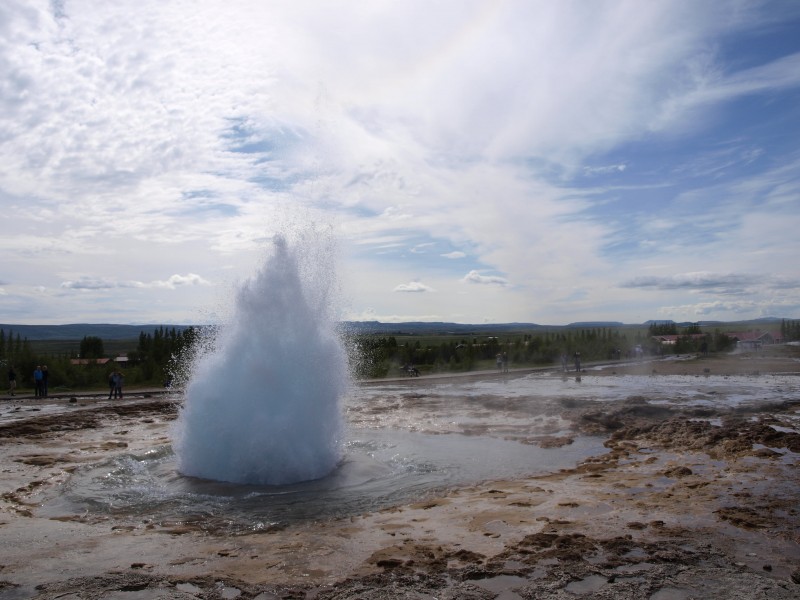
x,y
263,405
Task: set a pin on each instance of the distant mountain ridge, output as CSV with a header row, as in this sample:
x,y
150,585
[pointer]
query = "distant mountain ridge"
x,y
111,331
435,327
77,331
748,322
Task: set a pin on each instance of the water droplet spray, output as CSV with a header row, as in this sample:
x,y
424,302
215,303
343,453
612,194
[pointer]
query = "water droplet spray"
x,y
262,403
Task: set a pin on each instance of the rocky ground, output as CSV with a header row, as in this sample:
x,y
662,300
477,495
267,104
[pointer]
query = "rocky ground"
x,y
687,502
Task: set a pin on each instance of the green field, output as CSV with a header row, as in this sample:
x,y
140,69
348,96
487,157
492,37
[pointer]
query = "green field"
x,y
71,348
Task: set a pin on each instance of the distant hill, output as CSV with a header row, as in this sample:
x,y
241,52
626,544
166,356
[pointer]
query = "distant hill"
x,y
595,324
747,322
110,331
766,320
77,331
436,328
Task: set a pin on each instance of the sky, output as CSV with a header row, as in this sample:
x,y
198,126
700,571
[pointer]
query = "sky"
x,y
544,161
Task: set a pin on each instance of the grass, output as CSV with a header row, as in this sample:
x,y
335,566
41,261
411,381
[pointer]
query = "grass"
x,y
72,347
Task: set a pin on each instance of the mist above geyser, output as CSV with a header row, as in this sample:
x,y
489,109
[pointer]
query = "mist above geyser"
x,y
262,402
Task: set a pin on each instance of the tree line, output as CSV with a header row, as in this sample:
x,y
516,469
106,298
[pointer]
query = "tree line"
x,y
155,358
381,356
158,354
790,330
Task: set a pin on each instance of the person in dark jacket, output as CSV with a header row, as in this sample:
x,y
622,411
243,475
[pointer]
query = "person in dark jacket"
x,y
45,376
37,381
12,380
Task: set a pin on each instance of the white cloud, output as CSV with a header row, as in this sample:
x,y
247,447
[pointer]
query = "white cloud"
x,y
723,283
475,277
711,87
175,141
181,280
394,318
89,283
413,287
605,170
729,309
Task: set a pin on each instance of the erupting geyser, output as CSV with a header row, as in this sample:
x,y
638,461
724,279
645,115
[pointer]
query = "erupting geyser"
x,y
263,403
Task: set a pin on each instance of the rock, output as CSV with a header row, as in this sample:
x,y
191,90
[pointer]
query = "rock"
x,y
676,472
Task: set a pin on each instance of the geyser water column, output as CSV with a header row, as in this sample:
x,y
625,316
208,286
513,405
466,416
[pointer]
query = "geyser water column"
x,y
262,404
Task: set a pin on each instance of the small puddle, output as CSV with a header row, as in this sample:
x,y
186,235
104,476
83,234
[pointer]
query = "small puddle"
x,y
503,586
588,585
636,568
672,593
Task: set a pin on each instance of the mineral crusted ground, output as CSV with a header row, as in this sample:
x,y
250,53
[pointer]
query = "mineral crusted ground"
x,y
687,502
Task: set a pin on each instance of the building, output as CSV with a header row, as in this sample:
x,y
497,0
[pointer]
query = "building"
x,y
671,340
89,361
755,340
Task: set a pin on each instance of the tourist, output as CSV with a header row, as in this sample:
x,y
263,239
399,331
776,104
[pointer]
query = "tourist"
x,y
505,362
45,376
577,362
12,379
118,387
112,384
37,381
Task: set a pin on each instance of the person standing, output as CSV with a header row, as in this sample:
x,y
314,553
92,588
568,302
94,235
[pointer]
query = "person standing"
x,y
45,375
37,381
12,379
577,362
118,387
112,384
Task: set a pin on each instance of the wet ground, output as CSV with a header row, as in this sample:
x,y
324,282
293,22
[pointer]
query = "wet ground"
x,y
664,480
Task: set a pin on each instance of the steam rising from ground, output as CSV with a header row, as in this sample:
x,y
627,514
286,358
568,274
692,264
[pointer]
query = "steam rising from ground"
x,y
263,400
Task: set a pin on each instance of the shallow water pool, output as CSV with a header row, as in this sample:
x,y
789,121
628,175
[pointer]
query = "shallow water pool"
x,y
380,468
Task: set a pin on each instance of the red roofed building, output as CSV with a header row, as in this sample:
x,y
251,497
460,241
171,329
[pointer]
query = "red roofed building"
x,y
88,361
753,340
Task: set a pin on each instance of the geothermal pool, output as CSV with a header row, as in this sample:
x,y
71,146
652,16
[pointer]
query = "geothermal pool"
x,y
403,442
380,468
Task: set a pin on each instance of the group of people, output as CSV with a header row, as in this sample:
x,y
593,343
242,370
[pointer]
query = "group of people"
x,y
40,377
115,385
410,370
502,362
565,362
